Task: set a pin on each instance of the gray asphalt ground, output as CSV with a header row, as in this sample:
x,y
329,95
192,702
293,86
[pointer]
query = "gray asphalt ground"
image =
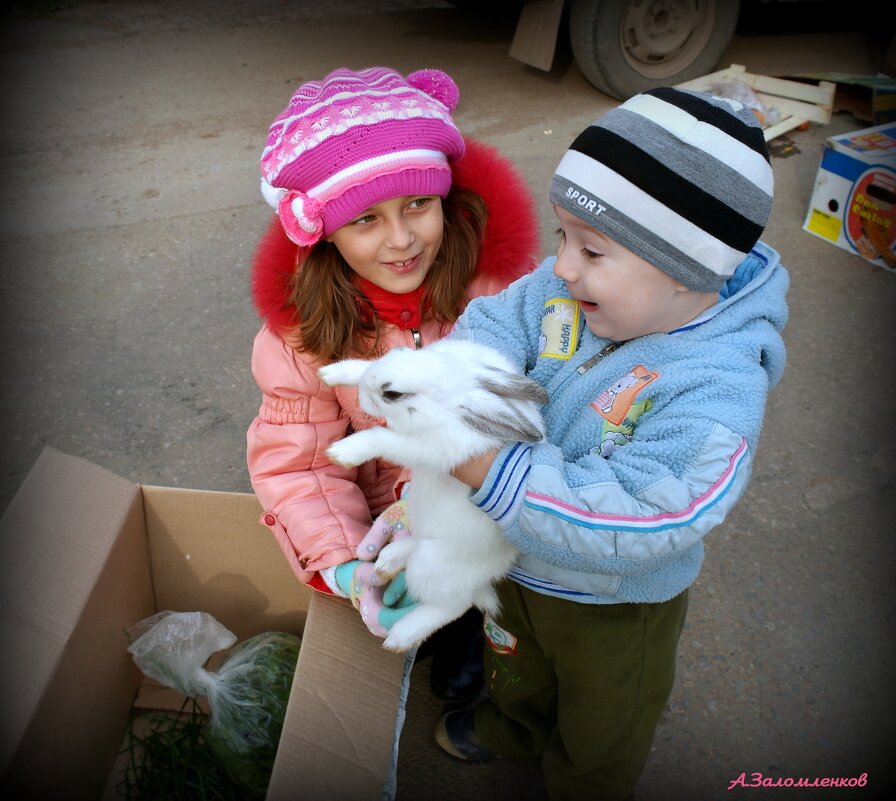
x,y
131,135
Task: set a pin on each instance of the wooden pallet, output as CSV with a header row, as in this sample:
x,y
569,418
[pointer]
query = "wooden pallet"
x,y
798,102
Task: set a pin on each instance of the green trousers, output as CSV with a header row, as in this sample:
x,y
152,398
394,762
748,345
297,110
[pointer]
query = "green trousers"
x,y
580,686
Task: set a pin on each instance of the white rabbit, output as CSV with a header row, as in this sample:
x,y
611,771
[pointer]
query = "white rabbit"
x,y
443,405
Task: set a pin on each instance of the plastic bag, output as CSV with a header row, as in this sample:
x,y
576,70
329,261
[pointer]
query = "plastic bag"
x,y
743,93
247,695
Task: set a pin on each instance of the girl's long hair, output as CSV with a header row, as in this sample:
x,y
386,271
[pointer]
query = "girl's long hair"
x,y
337,321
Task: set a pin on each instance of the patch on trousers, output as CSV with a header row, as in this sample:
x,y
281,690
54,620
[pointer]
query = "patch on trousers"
x,y
503,674
499,640
614,403
559,329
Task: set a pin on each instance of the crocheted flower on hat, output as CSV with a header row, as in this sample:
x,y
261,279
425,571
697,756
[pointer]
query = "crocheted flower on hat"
x,y
302,218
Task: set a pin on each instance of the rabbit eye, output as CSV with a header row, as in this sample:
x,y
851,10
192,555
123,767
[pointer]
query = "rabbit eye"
x,y
391,395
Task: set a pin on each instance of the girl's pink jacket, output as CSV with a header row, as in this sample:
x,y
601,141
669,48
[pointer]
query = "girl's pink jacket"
x,y
319,511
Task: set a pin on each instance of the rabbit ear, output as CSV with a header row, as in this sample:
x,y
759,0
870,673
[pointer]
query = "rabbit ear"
x,y
514,387
501,426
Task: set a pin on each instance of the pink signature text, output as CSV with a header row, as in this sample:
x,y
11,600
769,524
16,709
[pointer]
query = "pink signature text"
x,y
758,780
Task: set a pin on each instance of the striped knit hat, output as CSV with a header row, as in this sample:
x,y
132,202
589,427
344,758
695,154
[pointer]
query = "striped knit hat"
x,y
355,139
680,178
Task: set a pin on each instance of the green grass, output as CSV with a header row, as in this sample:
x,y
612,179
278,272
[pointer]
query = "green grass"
x,y
169,759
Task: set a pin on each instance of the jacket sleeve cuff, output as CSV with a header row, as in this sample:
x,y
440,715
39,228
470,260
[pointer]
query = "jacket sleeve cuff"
x,y
501,494
325,581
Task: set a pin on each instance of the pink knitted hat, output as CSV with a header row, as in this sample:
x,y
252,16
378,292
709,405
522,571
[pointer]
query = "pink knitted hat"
x,y
355,139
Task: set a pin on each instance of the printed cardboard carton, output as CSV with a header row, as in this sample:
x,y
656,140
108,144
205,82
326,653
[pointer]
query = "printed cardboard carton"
x,y
853,205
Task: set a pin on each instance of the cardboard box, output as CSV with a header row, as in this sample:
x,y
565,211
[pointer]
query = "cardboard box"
x,y
84,554
853,204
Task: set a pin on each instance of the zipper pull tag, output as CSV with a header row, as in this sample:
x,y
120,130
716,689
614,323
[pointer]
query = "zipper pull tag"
x,y
418,340
604,351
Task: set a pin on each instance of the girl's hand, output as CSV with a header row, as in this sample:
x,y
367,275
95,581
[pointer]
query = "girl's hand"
x,y
381,602
473,473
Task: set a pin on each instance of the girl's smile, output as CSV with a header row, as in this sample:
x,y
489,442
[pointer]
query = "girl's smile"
x,y
406,266
394,243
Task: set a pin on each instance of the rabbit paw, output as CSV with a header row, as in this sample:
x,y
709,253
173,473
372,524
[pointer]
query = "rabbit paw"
x,y
393,558
348,452
417,625
345,373
407,633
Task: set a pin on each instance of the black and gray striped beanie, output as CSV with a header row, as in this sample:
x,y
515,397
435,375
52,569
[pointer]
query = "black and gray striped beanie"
x,y
680,178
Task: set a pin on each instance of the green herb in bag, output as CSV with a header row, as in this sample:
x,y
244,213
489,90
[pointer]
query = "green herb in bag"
x,y
247,695
248,704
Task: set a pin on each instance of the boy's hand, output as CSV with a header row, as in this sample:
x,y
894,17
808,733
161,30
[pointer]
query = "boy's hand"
x,y
473,472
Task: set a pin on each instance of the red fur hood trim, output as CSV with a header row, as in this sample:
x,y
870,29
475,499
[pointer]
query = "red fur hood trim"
x,y
510,245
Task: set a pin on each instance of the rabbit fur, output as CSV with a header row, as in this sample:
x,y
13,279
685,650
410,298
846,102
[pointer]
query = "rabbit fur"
x,y
443,405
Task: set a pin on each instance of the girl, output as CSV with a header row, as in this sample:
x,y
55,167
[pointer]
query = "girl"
x,y
387,223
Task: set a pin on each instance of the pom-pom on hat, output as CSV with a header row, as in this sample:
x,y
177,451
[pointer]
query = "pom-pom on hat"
x,y
355,139
680,178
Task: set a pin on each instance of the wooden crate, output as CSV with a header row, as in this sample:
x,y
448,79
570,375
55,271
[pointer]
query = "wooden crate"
x,y
797,102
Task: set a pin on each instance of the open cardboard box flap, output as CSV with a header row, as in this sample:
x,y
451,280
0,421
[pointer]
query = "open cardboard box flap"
x,y
84,554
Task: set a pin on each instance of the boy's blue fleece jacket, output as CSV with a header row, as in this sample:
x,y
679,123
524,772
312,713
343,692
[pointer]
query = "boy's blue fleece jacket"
x,y
649,443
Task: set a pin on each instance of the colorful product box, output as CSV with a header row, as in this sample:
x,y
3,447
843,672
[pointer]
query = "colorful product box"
x,y
853,204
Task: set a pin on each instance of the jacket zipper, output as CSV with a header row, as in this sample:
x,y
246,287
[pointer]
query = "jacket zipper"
x,y
604,351
586,366
418,340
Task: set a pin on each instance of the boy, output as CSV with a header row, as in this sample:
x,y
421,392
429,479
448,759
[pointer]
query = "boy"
x,y
656,331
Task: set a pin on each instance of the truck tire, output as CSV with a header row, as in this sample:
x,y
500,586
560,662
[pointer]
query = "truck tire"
x,y
628,46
